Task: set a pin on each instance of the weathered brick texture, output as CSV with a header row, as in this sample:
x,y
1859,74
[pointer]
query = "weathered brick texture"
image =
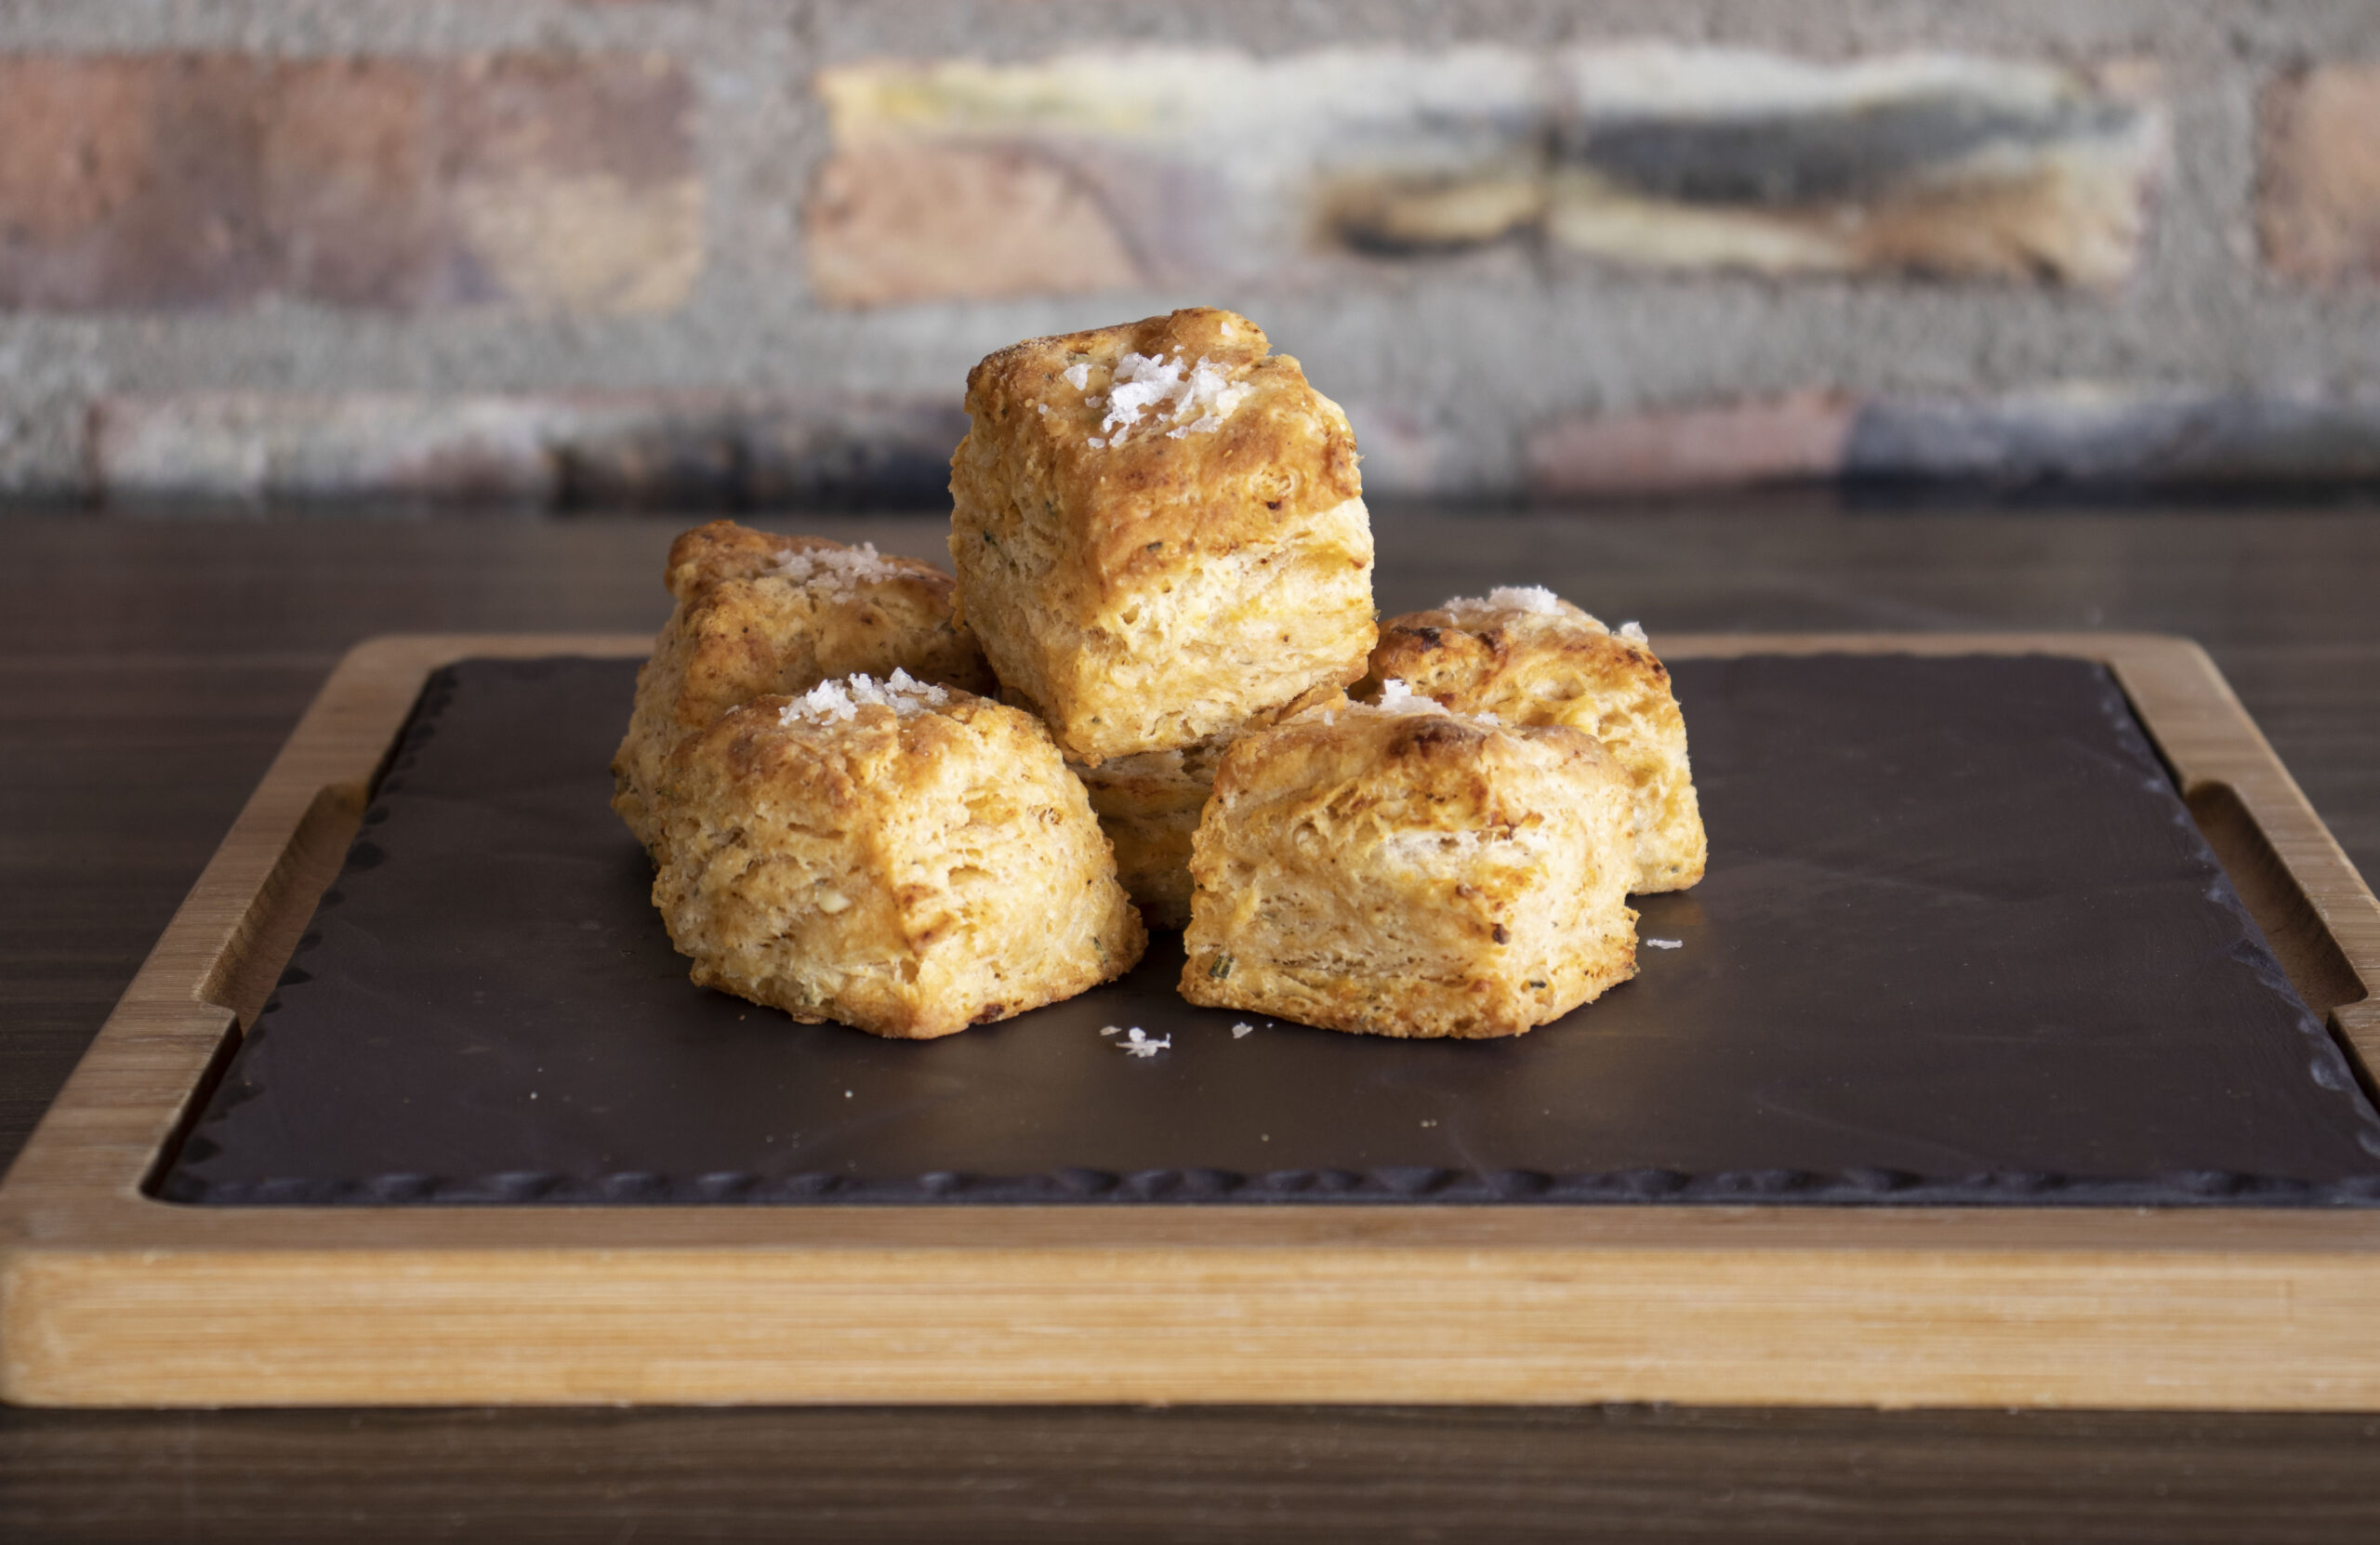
x,y
1790,439
1095,170
889,223
2319,204
709,449
209,179
740,254
2083,435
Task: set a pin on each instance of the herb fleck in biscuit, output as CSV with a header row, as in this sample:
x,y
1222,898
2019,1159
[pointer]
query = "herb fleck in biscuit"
x,y
1400,870
895,856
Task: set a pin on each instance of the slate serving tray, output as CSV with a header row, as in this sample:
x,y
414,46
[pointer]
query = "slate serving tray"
x,y
1960,943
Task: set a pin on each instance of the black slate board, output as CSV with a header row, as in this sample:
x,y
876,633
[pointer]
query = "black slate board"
x,y
1958,943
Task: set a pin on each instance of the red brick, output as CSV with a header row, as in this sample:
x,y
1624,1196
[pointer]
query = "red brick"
x,y
891,223
212,180
2319,195
1774,439
347,185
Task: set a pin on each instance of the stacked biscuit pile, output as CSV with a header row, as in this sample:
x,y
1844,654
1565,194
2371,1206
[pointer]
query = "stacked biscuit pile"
x,y
836,837
1164,559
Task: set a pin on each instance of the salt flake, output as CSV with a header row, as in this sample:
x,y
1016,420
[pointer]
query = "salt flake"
x,y
1192,399
839,701
1397,697
1137,1044
834,570
1667,944
1535,599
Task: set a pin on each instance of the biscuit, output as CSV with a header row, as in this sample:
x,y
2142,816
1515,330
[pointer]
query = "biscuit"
x,y
758,614
1529,657
1400,870
900,857
1159,531
1149,803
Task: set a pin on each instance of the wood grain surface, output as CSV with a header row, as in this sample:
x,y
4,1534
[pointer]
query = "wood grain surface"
x,y
148,670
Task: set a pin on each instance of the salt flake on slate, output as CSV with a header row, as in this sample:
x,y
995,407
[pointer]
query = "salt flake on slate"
x,y
1667,944
1137,1044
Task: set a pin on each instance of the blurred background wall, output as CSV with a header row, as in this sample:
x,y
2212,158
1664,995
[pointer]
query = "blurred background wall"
x,y
738,252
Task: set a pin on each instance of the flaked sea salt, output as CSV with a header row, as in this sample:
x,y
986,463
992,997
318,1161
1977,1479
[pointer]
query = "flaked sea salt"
x,y
1667,944
1193,399
1509,598
1136,1043
1395,698
834,569
836,701
1078,374
1525,598
1632,633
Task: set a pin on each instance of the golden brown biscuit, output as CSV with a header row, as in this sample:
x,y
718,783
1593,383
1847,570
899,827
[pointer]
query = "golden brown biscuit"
x,y
1148,804
1529,657
1404,871
762,614
1159,531
890,856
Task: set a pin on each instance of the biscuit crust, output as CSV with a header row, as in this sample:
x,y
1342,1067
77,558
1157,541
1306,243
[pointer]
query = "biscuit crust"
x,y
1529,658
1148,573
908,869
1411,874
758,614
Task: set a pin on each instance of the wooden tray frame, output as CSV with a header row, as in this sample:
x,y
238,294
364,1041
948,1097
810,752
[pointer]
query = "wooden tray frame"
x,y
110,1297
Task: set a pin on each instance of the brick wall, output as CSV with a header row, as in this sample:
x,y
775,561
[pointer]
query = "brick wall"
x,y
742,251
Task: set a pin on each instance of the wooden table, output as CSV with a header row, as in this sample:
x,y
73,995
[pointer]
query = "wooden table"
x,y
149,668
